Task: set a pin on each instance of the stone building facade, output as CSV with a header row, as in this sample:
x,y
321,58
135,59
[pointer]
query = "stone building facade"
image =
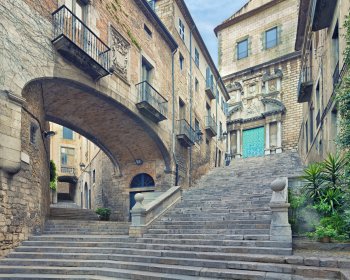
x,y
320,38
109,71
260,69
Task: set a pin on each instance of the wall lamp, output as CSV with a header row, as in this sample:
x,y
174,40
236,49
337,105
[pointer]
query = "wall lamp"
x,y
48,134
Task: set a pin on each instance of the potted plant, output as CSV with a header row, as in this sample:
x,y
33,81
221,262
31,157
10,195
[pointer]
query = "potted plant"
x,y
103,213
324,233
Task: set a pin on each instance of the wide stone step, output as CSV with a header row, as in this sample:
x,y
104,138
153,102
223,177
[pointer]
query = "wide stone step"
x,y
41,276
114,248
210,231
86,232
164,221
187,267
208,236
213,226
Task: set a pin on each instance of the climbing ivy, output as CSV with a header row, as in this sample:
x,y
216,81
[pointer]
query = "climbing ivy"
x,y
343,94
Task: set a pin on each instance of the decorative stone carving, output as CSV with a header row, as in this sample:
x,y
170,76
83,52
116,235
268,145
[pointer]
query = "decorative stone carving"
x,y
267,76
120,54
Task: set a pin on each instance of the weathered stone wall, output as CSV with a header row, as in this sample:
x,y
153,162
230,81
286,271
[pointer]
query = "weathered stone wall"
x,y
323,65
25,196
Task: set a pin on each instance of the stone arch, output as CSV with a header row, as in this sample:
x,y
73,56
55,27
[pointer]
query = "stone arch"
x,y
120,132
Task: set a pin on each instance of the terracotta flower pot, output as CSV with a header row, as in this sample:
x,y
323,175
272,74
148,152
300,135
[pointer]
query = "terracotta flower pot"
x,y
325,239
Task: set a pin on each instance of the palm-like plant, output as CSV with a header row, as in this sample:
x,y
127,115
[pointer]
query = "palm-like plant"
x,y
313,181
333,171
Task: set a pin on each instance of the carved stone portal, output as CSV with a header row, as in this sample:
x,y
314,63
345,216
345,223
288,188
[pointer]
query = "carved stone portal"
x,y
120,54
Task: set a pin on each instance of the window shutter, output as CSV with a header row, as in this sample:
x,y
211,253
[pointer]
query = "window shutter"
x,y
279,34
263,40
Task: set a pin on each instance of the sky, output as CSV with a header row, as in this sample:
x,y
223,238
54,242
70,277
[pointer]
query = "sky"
x,y
208,14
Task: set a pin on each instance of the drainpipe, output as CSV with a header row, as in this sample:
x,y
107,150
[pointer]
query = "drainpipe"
x,y
190,171
216,120
173,115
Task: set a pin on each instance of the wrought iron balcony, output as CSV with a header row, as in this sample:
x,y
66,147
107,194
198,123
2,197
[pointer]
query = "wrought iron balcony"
x,y
210,126
67,170
305,85
151,103
209,89
185,133
77,43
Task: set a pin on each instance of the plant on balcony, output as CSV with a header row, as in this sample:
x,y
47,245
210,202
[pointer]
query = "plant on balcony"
x,y
103,213
53,176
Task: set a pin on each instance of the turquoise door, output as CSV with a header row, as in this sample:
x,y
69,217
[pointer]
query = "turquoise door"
x,y
253,142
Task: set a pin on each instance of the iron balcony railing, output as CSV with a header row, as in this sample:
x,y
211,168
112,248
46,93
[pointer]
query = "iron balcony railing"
x,y
147,93
210,123
67,170
68,25
184,128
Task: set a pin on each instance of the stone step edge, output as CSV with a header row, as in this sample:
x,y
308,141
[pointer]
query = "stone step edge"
x,y
182,269
156,275
340,263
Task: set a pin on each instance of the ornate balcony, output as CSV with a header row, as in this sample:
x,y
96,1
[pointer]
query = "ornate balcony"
x,y
210,126
67,170
151,103
305,85
185,133
209,89
77,43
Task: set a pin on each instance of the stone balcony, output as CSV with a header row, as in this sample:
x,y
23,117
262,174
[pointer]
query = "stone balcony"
x,y
78,44
185,133
210,126
151,103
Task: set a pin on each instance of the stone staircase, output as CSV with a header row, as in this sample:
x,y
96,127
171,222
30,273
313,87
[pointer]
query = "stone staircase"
x,y
64,213
220,230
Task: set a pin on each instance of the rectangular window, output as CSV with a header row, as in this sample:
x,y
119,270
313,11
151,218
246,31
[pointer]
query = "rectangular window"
x,y
147,30
67,156
271,38
242,49
147,70
181,61
196,57
67,133
181,29
196,85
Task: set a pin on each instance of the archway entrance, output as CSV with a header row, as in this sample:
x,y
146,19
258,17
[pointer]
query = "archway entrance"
x,y
144,183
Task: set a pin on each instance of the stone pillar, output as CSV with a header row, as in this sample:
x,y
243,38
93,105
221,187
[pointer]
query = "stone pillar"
x,y
267,138
239,153
138,217
10,131
280,229
279,137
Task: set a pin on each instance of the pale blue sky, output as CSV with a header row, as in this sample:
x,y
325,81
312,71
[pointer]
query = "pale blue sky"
x,y
208,14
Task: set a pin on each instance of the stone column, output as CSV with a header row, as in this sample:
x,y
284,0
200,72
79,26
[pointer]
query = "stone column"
x,y
238,143
267,138
279,137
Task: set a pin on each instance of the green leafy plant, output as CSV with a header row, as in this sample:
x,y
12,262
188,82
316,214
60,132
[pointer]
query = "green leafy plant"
x,y
53,176
313,181
324,231
103,213
333,171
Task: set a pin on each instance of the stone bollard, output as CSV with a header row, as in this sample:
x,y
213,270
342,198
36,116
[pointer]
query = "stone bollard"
x,y
280,229
138,214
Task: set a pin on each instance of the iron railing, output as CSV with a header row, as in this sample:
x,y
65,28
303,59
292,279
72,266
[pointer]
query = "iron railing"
x,y
68,25
210,123
67,170
147,93
184,128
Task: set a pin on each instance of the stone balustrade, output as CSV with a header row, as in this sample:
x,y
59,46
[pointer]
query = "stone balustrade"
x,y
144,215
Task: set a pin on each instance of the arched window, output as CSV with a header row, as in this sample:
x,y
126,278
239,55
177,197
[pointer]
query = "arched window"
x,y
142,180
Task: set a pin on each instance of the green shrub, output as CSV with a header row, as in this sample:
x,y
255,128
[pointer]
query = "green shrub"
x,y
53,176
103,213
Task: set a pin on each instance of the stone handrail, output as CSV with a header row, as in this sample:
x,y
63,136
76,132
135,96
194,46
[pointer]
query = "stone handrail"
x,y
280,229
142,216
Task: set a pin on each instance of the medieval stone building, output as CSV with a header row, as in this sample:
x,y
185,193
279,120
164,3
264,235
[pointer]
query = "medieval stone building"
x,y
260,69
112,72
321,40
